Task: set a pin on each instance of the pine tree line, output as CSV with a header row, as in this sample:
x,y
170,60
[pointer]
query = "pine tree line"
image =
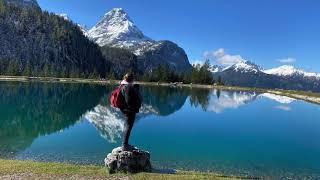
x,y
37,43
200,74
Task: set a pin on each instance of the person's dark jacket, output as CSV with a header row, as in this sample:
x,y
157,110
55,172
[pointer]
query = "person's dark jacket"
x,y
132,98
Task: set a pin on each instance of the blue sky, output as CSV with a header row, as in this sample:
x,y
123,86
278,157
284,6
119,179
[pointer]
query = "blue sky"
x,y
268,32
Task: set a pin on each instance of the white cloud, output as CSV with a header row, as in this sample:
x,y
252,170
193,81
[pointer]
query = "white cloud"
x,y
287,60
284,108
222,58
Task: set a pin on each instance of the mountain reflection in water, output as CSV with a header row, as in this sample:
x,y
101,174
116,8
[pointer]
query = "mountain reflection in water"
x,y
237,132
156,101
30,110
167,100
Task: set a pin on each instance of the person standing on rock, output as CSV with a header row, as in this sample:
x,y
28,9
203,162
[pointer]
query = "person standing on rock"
x,y
133,101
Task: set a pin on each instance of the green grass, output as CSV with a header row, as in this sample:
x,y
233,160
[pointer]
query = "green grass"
x,y
62,170
13,166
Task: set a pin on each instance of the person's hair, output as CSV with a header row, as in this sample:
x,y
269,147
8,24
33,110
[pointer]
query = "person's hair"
x,y
128,77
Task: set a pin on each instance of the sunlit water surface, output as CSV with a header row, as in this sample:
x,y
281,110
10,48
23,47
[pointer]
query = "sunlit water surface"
x,y
230,132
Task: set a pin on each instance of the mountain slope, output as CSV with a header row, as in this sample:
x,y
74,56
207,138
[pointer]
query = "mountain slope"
x,y
287,70
244,67
41,44
116,29
285,77
24,3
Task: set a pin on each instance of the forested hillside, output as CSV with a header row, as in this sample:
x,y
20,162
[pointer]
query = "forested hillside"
x,y
122,61
36,43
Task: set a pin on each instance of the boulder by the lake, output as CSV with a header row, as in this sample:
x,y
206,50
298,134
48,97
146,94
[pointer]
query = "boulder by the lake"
x,y
132,161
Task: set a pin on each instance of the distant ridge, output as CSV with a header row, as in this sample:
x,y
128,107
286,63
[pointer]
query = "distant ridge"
x,y
246,73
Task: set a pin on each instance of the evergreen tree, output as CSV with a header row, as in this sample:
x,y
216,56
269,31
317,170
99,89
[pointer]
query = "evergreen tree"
x,y
46,70
111,75
74,73
13,68
54,46
201,74
93,75
27,70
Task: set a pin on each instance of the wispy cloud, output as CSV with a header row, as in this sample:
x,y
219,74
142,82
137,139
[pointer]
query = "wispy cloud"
x,y
222,58
287,60
284,108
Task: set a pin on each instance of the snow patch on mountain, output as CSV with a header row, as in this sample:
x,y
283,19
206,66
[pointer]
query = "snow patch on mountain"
x,y
287,70
64,16
84,29
215,68
244,67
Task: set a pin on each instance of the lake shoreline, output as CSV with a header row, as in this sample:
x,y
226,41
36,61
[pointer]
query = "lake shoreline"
x,y
300,95
17,169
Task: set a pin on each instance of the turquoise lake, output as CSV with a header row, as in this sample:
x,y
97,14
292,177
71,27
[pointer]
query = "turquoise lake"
x,y
230,132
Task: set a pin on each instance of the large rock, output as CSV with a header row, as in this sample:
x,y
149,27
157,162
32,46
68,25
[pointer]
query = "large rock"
x,y
132,161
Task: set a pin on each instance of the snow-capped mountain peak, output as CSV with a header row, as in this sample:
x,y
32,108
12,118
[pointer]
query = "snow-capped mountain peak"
x,y
244,67
117,29
287,70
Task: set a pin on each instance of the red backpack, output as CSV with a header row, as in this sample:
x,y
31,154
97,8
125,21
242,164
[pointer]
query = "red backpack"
x,y
116,99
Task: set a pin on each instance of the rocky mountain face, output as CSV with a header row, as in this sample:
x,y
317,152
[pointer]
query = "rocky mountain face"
x,y
24,3
249,74
83,28
116,29
36,43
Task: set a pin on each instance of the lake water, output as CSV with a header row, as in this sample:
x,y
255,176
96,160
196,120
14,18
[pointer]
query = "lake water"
x,y
231,132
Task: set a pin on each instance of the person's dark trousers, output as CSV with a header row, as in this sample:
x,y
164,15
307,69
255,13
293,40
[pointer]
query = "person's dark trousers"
x,y
128,127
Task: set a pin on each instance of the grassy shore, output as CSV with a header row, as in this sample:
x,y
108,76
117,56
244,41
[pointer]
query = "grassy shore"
x,y
13,169
302,95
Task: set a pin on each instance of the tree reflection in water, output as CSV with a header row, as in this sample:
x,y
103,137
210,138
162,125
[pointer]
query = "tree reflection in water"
x,y
30,110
